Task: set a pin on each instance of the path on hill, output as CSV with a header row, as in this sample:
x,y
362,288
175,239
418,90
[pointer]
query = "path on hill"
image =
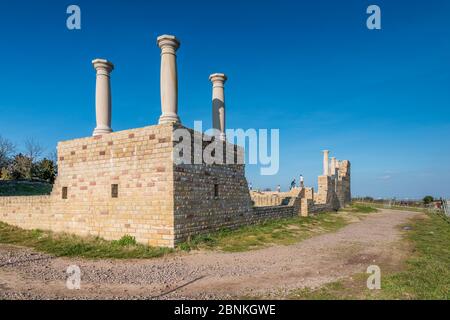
x,y
25,274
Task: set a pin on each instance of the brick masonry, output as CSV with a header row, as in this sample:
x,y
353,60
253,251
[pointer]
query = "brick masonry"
x,y
159,202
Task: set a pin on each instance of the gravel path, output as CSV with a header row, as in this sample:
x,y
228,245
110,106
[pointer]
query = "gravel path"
x,y
274,271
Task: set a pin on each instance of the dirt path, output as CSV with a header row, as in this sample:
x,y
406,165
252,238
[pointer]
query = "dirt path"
x,y
275,271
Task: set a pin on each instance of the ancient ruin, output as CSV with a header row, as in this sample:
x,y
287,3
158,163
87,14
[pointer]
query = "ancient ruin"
x,y
126,183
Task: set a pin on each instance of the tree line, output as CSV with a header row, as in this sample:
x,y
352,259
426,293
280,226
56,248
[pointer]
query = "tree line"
x,y
27,165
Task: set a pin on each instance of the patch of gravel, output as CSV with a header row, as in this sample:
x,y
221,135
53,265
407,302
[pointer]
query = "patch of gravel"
x,y
273,271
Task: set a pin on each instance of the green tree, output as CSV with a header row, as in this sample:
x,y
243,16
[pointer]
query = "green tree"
x,y
7,149
21,167
45,170
428,199
5,174
33,151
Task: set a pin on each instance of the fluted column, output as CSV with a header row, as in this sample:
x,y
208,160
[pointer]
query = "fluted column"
x,y
102,96
326,169
169,79
218,102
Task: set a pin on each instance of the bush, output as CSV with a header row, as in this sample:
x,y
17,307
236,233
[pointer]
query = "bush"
x,y
21,167
45,170
5,174
126,240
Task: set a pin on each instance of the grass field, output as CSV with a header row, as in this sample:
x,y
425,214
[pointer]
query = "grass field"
x,y
24,188
383,206
426,274
60,244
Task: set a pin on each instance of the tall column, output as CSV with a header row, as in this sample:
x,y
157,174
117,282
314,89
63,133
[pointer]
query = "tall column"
x,y
333,166
103,96
169,79
218,102
326,169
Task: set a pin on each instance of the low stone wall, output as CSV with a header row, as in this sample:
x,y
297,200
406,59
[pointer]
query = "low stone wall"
x,y
261,214
269,198
27,212
254,216
321,208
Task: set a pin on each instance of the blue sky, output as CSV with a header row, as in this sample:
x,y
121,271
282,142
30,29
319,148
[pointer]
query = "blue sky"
x,y
312,69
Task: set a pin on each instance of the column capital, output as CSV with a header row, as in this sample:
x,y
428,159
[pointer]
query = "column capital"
x,y
325,151
102,66
168,43
218,78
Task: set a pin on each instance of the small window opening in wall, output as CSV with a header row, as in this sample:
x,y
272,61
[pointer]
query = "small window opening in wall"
x,y
216,191
64,192
114,190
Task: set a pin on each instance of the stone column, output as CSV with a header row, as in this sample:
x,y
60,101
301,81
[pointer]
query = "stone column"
x,y
326,170
103,96
169,79
218,102
333,166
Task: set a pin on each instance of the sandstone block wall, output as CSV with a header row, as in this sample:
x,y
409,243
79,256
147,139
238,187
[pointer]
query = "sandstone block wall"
x,y
26,212
335,190
343,190
126,183
138,161
269,198
327,192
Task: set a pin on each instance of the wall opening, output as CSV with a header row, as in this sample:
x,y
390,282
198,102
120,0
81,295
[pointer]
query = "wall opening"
x,y
114,191
64,192
216,191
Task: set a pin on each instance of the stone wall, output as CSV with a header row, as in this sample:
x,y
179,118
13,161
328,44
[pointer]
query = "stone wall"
x,y
270,198
138,161
327,192
343,190
33,212
127,183
209,197
334,190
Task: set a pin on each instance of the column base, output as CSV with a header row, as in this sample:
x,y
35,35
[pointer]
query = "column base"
x,y
101,131
169,118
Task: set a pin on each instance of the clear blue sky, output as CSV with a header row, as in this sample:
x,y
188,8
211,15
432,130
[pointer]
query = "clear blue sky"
x,y
310,68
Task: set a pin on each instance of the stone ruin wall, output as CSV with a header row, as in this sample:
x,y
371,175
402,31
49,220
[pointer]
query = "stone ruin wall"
x,y
139,161
159,203
197,209
343,183
333,193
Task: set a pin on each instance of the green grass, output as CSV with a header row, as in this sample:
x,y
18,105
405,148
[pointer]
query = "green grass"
x,y
425,275
384,206
363,208
24,188
60,244
275,232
